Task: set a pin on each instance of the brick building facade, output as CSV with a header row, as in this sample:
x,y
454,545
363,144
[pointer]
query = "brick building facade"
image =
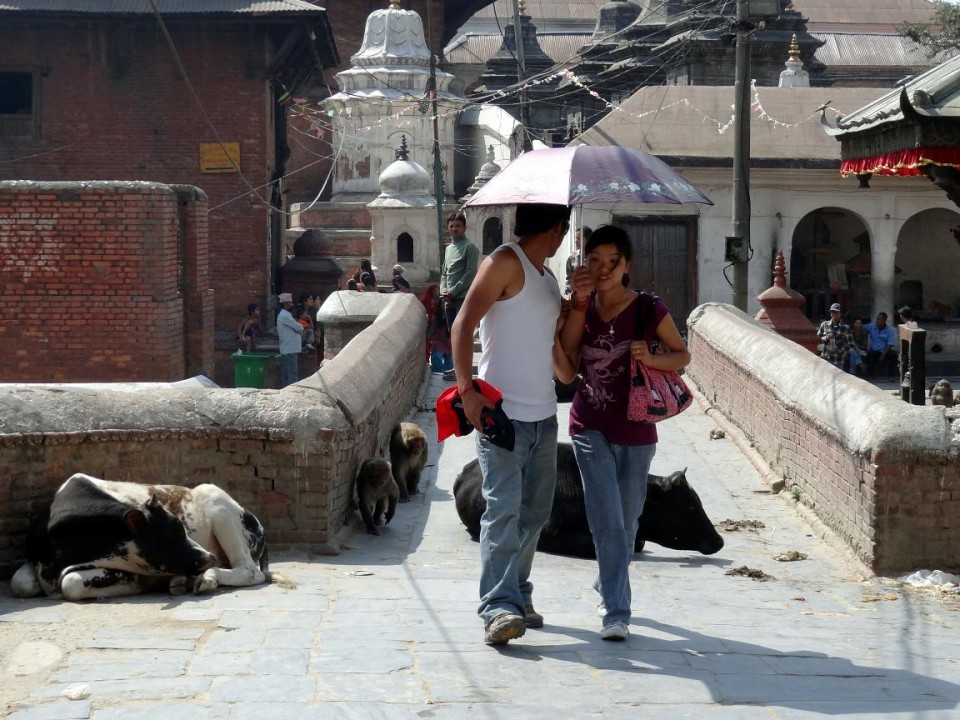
x,y
92,94
104,282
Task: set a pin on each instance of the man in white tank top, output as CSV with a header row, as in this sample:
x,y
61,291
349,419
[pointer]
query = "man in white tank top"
x,y
516,301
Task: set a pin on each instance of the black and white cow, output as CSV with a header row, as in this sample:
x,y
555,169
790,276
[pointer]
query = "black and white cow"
x,y
102,538
673,515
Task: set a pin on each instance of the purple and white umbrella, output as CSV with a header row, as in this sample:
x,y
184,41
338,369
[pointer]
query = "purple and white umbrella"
x,y
587,174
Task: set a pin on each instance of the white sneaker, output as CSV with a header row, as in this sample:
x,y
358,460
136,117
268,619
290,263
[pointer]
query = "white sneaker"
x,y
615,631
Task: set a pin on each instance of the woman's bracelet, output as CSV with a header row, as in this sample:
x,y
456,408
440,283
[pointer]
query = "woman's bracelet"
x,y
466,390
579,304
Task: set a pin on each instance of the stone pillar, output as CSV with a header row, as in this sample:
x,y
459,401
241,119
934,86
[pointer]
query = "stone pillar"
x,y
780,309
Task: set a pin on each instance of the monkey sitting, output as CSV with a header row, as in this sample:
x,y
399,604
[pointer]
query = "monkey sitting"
x,y
408,455
942,394
377,493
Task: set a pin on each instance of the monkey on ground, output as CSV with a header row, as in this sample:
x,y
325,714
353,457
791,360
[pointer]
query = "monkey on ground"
x,y
408,455
377,493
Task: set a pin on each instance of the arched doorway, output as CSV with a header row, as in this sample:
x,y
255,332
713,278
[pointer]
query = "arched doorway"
x,y
492,235
928,244
830,262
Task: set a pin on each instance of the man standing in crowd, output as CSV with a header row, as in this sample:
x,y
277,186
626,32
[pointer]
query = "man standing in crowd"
x,y
882,355
835,340
516,301
289,331
460,262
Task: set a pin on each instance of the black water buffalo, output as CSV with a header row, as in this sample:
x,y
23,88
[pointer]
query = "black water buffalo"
x,y
673,515
100,538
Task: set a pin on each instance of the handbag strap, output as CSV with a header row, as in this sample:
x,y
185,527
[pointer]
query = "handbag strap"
x,y
641,328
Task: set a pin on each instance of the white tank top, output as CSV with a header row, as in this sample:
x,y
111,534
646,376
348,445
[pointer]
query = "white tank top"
x,y
516,335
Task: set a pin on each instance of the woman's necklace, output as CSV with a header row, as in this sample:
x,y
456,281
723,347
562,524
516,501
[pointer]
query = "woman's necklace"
x,y
620,307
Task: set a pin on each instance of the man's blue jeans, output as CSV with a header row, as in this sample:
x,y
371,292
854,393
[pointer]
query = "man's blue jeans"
x,y
288,369
518,487
614,490
854,360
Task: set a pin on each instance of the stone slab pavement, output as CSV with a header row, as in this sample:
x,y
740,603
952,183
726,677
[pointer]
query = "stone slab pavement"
x,y
388,629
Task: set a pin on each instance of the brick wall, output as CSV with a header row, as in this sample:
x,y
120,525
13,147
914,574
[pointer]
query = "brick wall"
x,y
883,475
103,282
288,456
113,106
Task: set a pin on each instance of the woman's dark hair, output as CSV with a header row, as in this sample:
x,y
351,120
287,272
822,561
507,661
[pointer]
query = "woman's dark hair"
x,y
906,313
351,284
612,235
367,279
252,308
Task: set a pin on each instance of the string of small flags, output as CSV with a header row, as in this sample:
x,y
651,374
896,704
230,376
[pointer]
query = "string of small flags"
x,y
322,120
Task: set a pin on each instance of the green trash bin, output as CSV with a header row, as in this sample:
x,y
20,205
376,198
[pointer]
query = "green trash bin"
x,y
249,369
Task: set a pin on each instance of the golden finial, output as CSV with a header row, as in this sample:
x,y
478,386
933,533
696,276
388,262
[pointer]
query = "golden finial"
x,y
523,6
794,48
394,5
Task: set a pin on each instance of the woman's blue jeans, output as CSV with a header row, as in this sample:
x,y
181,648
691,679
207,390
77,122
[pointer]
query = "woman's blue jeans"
x,y
614,490
518,487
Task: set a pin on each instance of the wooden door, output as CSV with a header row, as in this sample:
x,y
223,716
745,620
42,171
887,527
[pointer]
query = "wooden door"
x,y
664,260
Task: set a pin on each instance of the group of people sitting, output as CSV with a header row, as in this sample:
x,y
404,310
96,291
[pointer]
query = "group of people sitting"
x,y
365,279
866,349
250,330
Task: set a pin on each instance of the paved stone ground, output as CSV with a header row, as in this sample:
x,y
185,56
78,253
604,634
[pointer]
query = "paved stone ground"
x,y
388,629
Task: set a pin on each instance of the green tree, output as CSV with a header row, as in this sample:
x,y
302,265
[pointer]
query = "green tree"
x,y
941,35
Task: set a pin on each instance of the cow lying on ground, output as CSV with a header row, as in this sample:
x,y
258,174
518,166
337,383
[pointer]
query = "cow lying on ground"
x,y
101,538
673,515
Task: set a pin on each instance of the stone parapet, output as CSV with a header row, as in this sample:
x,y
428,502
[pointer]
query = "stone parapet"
x,y
881,474
289,456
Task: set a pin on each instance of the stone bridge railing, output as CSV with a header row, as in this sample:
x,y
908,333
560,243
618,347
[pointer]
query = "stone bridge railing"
x,y
289,456
882,475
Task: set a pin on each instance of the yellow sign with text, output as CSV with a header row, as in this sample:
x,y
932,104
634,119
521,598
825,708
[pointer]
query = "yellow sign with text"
x,y
214,158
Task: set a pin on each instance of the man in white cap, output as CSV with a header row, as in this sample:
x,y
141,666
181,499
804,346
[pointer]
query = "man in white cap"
x,y
835,339
289,331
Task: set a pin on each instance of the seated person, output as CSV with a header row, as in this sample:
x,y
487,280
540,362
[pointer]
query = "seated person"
x,y
248,331
860,344
882,354
400,283
368,282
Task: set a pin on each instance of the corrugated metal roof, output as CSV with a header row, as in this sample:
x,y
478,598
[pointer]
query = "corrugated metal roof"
x,y
839,49
935,93
173,7
863,14
538,9
870,49
478,49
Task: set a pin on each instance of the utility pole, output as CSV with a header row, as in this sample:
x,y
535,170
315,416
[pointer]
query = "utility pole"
x,y
518,9
437,162
738,245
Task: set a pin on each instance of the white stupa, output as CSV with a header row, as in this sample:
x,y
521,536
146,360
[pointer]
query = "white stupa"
x,y
403,218
383,95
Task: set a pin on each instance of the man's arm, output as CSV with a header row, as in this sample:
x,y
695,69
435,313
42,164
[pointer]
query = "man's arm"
x,y
498,275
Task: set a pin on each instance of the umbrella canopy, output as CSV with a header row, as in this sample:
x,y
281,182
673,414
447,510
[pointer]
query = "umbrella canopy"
x,y
587,174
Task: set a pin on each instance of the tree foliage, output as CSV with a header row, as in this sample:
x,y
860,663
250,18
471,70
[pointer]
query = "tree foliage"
x,y
941,36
